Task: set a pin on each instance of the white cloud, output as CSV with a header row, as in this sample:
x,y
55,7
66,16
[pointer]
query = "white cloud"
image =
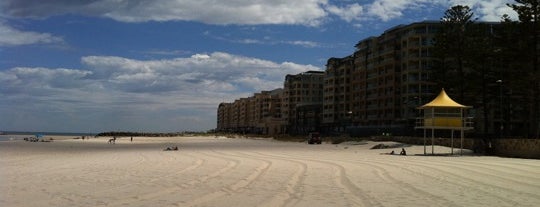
x,y
386,10
348,13
246,12
37,79
301,43
10,36
391,9
250,41
198,71
266,41
488,10
158,52
308,44
115,89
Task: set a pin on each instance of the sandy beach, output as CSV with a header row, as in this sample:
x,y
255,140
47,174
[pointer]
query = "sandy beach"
x,y
210,171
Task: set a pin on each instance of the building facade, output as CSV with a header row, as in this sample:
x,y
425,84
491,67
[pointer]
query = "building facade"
x,y
302,101
377,88
374,90
337,101
259,114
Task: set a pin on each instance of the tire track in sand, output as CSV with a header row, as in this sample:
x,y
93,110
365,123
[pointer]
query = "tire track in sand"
x,y
384,174
449,181
352,192
284,198
231,164
234,188
478,168
465,181
90,177
195,164
475,183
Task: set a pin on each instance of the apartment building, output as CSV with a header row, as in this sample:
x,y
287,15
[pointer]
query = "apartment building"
x,y
224,117
260,113
375,90
337,94
416,59
303,101
267,112
378,87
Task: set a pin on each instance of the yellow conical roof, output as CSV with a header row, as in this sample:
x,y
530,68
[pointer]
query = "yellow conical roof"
x,y
443,100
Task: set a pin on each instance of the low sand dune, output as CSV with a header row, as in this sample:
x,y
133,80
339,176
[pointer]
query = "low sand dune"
x,y
208,171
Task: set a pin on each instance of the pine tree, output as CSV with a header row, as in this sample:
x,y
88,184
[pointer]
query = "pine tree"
x,y
529,29
456,23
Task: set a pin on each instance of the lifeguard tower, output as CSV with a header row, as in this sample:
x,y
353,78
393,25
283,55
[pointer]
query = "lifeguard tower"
x,y
446,114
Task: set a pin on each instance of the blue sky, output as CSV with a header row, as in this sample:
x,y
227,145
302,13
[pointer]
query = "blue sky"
x,y
164,66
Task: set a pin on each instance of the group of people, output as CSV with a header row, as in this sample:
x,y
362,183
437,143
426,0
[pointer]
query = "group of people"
x,y
403,152
175,148
113,140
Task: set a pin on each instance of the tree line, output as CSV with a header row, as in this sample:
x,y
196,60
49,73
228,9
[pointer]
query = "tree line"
x,y
493,66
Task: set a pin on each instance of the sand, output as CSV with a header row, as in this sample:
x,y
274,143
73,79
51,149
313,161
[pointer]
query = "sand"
x,y
209,171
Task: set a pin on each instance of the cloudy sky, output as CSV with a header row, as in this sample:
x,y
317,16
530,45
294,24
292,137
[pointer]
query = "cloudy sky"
x,y
164,66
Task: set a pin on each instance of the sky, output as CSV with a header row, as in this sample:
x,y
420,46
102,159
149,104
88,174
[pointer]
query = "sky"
x,y
164,66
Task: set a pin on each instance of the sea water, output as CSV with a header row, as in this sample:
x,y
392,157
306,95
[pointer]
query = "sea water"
x,y
14,136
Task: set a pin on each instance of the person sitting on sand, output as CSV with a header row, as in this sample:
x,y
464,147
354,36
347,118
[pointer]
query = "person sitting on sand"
x,y
171,148
403,152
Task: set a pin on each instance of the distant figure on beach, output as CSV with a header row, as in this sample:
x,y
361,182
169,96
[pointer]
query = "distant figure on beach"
x,y
175,148
112,141
403,152
132,139
392,152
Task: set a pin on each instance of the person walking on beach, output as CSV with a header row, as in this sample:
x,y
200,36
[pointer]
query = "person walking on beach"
x,y
131,138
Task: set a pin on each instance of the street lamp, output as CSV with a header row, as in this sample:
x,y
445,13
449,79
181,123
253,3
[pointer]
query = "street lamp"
x,y
349,119
500,82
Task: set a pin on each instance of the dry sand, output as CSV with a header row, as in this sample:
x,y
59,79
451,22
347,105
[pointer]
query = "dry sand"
x,y
208,171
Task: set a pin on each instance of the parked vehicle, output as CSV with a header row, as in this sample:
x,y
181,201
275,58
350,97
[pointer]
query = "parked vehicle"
x,y
314,138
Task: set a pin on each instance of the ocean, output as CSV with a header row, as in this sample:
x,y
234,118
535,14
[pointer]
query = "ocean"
x,y
10,135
